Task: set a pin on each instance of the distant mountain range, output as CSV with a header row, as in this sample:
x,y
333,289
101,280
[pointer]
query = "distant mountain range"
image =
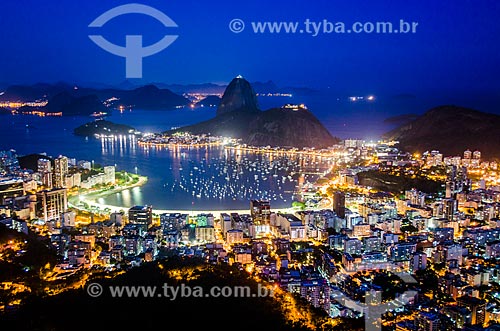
x,y
239,116
43,90
451,130
72,100
75,100
211,88
69,104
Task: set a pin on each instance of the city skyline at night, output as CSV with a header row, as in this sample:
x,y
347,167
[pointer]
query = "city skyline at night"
x,y
283,165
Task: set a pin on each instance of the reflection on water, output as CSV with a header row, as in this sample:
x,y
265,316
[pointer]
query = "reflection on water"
x,y
54,136
119,146
210,177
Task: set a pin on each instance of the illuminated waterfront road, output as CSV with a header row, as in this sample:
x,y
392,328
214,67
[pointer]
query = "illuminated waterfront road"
x,y
103,208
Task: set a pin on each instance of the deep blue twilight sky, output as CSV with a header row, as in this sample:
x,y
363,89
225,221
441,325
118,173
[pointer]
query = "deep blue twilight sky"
x,y
455,48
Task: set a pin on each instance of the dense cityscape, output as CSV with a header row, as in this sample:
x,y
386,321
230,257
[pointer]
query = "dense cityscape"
x,y
442,228
254,165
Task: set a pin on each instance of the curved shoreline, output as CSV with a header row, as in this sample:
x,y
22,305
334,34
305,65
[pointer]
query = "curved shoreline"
x,y
142,180
91,197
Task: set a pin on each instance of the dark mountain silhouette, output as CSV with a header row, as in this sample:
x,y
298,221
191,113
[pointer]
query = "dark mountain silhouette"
x,y
62,95
126,85
209,101
451,130
285,127
33,92
304,91
39,310
151,97
30,161
238,116
159,96
259,87
193,88
67,104
239,96
103,127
